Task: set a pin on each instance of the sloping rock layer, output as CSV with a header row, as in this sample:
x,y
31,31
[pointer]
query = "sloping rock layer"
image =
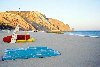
x,y
31,20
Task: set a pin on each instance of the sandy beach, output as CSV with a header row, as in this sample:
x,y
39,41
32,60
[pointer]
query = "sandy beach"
x,y
76,51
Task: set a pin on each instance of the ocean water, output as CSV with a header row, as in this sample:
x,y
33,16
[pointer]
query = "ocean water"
x,y
95,34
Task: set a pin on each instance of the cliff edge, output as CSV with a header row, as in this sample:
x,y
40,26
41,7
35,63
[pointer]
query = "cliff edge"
x,y
31,20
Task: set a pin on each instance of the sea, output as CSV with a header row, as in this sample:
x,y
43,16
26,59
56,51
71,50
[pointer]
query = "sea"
x,y
95,34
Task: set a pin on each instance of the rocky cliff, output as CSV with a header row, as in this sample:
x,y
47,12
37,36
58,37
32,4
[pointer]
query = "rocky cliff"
x,y
31,20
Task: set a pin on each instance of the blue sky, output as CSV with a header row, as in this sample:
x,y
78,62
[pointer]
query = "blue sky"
x,y
79,14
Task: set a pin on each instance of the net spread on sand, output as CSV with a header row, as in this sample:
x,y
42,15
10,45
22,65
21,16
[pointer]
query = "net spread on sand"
x,y
30,52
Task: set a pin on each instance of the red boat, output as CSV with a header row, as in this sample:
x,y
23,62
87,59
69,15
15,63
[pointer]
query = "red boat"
x,y
17,38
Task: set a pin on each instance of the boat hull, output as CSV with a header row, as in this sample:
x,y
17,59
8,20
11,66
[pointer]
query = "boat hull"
x,y
20,38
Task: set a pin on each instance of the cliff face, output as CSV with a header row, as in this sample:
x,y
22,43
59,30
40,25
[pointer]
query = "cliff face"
x,y
31,20
13,20
59,25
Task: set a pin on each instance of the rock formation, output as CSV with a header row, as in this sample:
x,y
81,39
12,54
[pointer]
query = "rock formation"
x,y
58,25
13,20
31,20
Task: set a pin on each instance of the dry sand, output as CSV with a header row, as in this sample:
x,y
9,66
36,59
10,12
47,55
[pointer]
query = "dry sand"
x,y
75,51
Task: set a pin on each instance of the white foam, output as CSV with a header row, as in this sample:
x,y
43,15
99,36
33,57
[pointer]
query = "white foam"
x,y
95,36
84,35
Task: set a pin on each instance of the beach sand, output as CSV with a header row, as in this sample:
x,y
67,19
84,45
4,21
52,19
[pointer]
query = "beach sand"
x,y
75,51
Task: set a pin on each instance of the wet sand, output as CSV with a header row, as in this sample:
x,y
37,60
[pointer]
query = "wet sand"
x,y
75,51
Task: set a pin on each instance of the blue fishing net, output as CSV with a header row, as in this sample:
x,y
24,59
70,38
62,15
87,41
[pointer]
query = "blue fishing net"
x,y
30,52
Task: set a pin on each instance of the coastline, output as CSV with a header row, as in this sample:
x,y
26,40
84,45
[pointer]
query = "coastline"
x,y
94,34
76,51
